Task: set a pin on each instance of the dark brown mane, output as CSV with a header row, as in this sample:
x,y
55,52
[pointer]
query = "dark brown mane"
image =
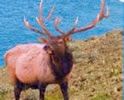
x,y
61,66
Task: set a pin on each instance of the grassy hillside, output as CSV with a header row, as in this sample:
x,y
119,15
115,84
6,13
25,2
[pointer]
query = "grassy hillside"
x,y
96,75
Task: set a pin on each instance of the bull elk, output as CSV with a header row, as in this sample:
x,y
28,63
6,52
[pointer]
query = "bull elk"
x,y
37,65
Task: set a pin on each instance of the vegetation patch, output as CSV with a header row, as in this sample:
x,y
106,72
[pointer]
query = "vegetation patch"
x,y
96,74
101,96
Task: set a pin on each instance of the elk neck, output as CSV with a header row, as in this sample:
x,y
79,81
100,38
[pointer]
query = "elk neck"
x,y
61,65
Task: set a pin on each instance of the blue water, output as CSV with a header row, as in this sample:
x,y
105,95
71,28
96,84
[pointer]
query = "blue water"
x,y
12,12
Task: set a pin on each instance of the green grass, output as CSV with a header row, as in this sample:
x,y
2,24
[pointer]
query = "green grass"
x,y
101,96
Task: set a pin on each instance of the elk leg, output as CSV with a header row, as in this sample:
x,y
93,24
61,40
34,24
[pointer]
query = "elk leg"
x,y
64,90
42,89
17,90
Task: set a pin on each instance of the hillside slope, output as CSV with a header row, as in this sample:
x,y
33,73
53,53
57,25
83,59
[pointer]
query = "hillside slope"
x,y
96,75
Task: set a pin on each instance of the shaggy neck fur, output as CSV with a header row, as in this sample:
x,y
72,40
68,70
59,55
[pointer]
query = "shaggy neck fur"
x,y
61,64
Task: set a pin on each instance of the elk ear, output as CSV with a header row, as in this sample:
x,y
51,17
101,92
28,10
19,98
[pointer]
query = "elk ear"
x,y
43,40
48,49
68,38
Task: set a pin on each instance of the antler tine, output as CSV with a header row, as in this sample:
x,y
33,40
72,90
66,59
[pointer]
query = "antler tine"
x,y
41,23
29,26
40,20
74,27
76,21
50,13
107,12
57,21
40,8
102,13
99,17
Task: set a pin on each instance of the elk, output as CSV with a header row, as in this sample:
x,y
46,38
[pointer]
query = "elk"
x,y
36,65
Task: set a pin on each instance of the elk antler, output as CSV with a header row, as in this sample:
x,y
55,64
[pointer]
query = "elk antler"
x,y
57,21
29,26
40,21
50,13
99,17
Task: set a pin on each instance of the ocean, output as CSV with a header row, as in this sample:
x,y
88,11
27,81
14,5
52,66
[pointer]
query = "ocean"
x,y
12,12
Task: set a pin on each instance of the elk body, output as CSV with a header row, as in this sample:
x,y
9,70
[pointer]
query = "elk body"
x,y
37,65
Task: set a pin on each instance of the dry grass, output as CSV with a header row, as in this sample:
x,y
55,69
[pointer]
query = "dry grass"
x,y
96,75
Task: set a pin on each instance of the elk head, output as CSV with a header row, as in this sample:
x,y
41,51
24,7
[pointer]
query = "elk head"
x,y
58,43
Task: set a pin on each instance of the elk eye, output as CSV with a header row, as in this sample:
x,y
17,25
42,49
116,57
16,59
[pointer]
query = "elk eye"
x,y
46,47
